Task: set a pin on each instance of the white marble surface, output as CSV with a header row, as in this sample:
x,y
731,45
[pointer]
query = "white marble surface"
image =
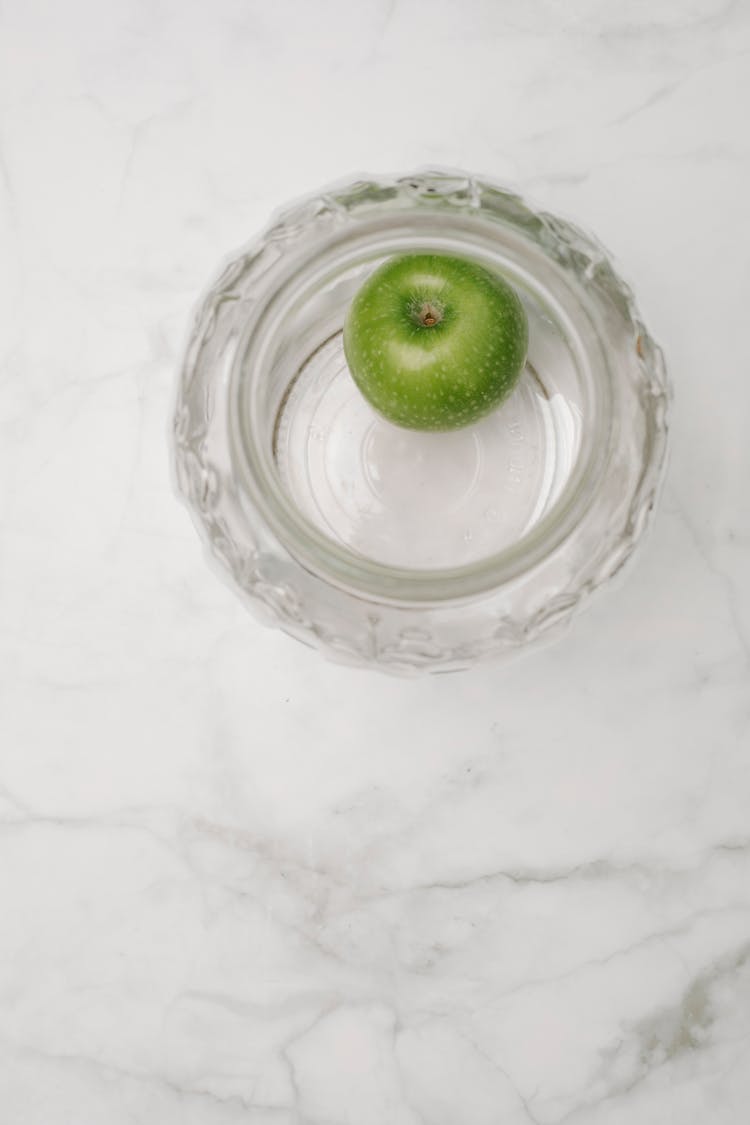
x,y
241,886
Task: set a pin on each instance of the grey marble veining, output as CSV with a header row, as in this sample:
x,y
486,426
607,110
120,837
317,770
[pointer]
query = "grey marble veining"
x,y
240,885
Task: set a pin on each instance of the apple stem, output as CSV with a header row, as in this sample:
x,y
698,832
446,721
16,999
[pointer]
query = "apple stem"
x,y
429,314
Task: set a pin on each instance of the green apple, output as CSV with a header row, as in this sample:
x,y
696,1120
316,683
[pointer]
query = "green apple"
x,y
435,342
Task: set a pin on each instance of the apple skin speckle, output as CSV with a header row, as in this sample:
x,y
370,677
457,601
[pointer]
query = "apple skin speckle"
x,y
435,342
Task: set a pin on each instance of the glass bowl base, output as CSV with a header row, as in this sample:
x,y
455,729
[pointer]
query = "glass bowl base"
x,y
414,499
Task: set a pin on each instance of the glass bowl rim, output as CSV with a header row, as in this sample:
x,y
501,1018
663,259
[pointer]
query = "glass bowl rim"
x,y
360,574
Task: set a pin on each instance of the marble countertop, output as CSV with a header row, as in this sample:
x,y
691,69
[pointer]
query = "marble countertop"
x,y
243,886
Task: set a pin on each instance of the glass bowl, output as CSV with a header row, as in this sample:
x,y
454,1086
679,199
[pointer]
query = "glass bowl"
x,y
405,550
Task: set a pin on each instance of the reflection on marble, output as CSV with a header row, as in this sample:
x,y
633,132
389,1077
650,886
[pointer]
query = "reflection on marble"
x,y
240,885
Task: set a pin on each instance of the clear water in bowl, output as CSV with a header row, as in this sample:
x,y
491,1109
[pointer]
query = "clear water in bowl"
x,y
429,500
